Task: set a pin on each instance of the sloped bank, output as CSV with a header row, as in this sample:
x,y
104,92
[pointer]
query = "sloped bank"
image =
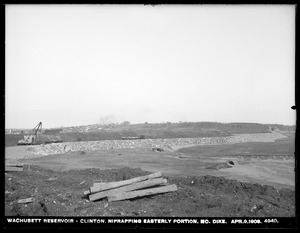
x,y
60,148
204,196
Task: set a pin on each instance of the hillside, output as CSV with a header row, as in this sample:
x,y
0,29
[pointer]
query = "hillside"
x,y
153,131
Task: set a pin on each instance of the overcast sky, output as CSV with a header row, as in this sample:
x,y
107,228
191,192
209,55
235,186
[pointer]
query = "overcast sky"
x,y
70,65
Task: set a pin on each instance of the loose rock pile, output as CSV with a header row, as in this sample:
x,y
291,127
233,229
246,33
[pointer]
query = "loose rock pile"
x,y
60,148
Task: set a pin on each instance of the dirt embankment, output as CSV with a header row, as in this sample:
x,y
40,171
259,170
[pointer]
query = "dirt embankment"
x,y
60,148
61,194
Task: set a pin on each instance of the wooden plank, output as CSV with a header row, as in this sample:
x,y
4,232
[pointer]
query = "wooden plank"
x,y
134,186
141,193
26,200
100,184
13,169
140,178
117,184
14,165
85,193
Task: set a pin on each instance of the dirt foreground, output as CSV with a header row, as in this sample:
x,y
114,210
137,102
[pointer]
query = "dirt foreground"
x,y
234,181
61,194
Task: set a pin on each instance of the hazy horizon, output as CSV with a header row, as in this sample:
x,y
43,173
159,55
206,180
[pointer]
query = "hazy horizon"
x,y
73,65
119,123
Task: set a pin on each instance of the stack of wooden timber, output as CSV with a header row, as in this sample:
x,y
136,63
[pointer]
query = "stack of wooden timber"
x,y
132,188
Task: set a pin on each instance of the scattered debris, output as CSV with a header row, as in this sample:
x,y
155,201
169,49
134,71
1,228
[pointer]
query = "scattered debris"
x,y
26,200
128,189
157,149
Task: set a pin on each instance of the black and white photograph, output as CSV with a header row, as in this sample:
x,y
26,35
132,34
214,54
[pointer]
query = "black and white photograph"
x,y
138,114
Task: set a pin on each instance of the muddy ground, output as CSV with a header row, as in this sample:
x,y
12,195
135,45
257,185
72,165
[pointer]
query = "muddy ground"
x,y
61,194
259,181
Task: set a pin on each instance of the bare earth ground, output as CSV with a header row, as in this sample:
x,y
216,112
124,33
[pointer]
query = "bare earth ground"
x,y
261,182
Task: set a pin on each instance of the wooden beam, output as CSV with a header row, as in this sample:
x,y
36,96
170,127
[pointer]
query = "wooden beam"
x,y
26,200
100,183
85,193
134,186
13,169
117,184
13,165
141,193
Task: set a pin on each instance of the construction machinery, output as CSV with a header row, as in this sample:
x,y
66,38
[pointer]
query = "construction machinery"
x,y
36,137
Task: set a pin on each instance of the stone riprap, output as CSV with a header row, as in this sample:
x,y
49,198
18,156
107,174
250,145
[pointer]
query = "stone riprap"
x,y
60,148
